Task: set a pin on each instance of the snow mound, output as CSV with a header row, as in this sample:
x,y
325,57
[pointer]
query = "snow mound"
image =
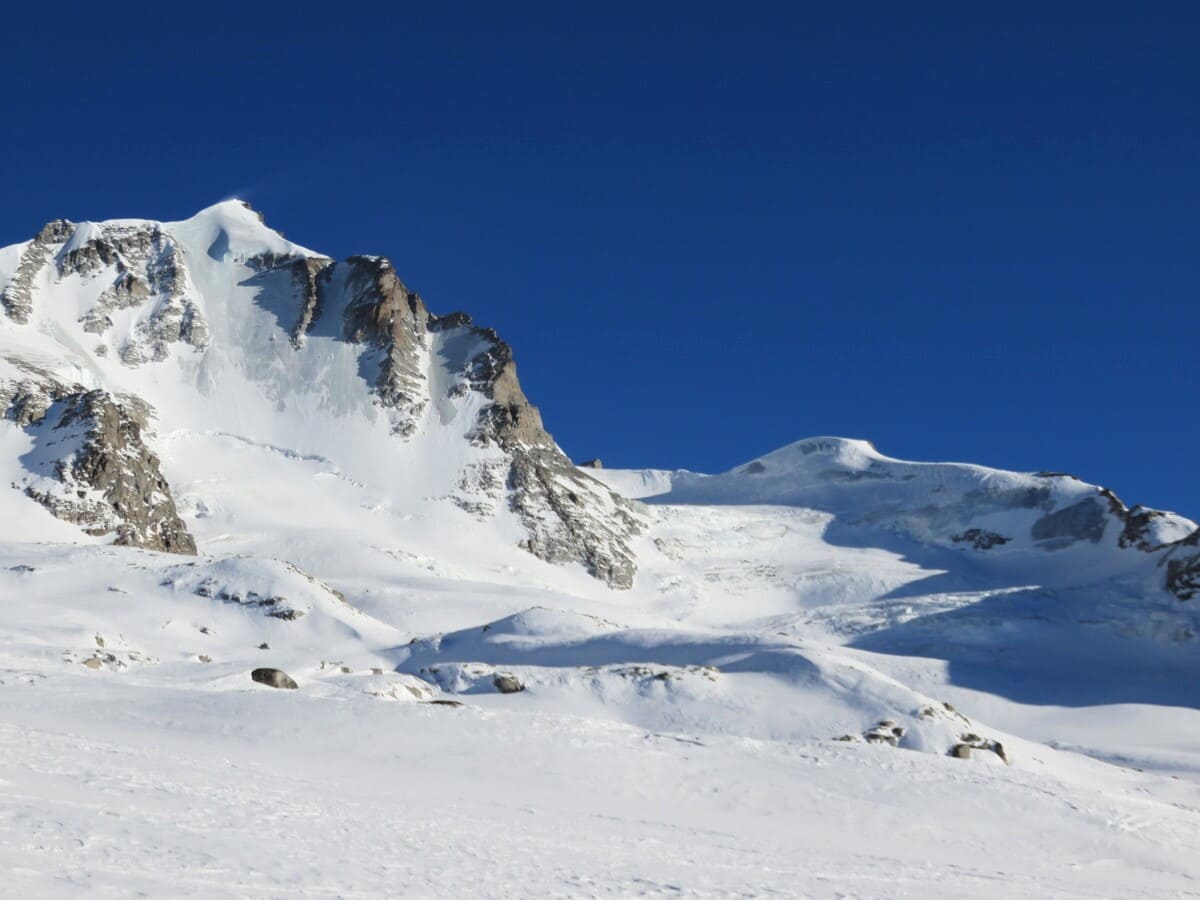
x,y
277,589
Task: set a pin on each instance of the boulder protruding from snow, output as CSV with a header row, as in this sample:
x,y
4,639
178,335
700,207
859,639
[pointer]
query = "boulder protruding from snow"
x,y
276,678
970,742
508,684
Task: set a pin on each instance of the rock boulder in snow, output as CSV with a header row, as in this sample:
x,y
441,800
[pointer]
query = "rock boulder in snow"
x,y
508,684
275,678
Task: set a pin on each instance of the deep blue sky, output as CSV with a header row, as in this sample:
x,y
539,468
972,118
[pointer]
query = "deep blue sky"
x,y
963,231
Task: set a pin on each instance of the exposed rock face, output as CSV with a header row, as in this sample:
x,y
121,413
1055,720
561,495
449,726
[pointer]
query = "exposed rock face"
x,y
17,297
92,467
1183,567
569,516
143,267
592,464
298,276
1084,520
1139,527
386,315
586,522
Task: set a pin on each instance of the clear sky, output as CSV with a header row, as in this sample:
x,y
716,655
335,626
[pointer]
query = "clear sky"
x,y
962,231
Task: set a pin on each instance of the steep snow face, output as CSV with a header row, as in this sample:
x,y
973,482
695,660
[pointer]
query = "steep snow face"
x,y
220,326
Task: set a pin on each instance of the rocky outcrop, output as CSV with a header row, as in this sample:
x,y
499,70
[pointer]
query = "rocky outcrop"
x,y
1183,567
148,272
143,267
305,272
381,312
569,516
1138,530
1080,521
303,277
27,400
885,732
90,466
17,297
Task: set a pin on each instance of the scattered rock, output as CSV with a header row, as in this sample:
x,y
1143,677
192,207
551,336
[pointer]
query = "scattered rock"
x,y
264,646
980,539
276,606
886,732
591,464
944,711
970,741
400,690
443,702
377,671
508,684
204,658
98,660
275,678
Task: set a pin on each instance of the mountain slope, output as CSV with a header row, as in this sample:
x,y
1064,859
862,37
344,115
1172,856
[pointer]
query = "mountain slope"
x,y
1008,527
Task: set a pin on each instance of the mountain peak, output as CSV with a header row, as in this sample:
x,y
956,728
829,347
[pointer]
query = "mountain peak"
x,y
233,228
217,324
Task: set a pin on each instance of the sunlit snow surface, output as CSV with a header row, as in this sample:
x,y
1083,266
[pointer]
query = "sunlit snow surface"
x,y
678,739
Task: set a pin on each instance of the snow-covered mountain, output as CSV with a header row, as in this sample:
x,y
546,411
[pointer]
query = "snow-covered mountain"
x,y
218,326
222,452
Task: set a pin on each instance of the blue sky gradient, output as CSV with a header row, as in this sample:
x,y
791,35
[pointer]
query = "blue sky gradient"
x,y
708,230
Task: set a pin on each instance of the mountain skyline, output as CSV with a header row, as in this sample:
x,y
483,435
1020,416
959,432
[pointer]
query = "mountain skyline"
x,y
960,235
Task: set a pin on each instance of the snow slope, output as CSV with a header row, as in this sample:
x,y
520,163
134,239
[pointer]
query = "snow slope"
x,y
829,672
